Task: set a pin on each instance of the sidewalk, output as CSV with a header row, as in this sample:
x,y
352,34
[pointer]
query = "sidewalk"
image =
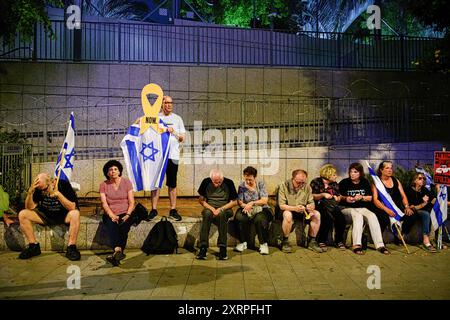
x,y
302,274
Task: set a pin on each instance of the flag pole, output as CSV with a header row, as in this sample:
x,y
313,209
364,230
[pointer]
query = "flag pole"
x,y
439,239
401,237
60,168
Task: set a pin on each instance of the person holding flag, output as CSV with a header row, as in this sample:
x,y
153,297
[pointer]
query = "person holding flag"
x,y
421,199
390,197
52,201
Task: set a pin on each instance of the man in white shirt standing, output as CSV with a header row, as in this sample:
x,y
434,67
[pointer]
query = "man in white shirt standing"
x,y
177,131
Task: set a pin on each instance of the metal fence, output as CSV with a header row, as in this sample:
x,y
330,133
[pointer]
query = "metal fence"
x,y
15,168
152,43
300,122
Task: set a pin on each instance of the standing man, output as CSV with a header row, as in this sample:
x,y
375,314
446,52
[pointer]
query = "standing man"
x,y
177,131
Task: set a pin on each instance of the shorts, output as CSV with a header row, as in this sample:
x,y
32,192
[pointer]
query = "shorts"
x,y
51,219
171,174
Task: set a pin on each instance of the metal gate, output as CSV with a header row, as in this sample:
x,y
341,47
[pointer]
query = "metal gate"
x,y
15,169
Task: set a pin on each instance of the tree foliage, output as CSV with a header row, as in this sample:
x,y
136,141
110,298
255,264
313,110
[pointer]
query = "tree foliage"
x,y
20,16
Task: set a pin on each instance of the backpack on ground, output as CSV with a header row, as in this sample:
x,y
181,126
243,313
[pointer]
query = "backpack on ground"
x,y
162,239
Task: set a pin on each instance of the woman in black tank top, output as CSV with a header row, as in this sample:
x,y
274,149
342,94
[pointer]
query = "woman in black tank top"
x,y
395,190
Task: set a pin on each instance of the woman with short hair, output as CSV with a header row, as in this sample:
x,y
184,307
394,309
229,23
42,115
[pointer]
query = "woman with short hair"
x,y
253,208
327,196
116,194
356,198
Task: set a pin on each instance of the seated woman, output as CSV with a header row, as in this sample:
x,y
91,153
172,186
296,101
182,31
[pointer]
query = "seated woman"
x,y
421,201
356,198
327,196
117,198
252,201
395,189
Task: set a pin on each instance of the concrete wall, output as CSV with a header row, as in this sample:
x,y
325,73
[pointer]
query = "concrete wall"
x,y
38,97
89,174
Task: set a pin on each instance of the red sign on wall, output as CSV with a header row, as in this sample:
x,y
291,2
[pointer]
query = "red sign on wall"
x,y
442,167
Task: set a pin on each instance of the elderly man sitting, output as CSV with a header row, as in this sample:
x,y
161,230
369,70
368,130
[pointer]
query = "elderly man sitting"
x,y
217,196
48,204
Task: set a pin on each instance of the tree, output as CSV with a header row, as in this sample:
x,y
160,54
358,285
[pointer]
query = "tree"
x,y
20,16
436,15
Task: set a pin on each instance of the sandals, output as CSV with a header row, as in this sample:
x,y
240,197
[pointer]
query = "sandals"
x,y
341,246
358,250
429,248
383,250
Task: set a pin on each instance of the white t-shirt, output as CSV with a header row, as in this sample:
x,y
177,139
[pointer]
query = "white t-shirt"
x,y
173,121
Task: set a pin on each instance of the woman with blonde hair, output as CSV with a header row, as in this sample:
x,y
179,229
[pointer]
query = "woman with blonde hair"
x,y
327,196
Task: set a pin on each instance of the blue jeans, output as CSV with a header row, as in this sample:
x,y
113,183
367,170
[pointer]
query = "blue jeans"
x,y
408,221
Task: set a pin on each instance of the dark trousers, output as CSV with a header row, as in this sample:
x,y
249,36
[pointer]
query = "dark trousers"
x,y
261,225
117,232
221,220
330,214
383,218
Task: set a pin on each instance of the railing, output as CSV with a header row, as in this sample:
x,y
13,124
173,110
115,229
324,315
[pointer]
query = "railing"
x,y
15,168
299,122
151,43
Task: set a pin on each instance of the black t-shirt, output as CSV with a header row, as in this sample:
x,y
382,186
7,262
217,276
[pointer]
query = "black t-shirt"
x,y
220,196
350,189
415,198
52,206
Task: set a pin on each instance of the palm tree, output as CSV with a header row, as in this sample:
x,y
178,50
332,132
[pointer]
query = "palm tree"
x,y
118,9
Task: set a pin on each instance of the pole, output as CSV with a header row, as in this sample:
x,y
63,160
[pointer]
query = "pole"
x,y
60,168
401,237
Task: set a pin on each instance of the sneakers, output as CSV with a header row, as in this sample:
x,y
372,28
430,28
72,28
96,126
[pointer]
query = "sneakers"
x,y
241,247
72,253
314,246
33,250
153,213
112,258
120,255
286,248
202,254
174,215
223,253
264,248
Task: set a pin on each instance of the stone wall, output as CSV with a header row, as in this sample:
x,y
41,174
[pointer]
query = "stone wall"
x,y
89,174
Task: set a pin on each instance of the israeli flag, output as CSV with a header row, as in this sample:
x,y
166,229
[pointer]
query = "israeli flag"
x,y
428,178
439,213
68,151
386,199
146,157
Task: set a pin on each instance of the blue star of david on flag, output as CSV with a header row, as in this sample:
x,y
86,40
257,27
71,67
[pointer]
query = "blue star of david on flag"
x,y
69,156
153,151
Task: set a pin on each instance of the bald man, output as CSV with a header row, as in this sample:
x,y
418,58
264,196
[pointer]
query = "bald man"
x,y
218,196
47,204
177,131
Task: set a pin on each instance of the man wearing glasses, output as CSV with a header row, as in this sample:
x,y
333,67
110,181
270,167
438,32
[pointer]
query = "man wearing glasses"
x,y
177,131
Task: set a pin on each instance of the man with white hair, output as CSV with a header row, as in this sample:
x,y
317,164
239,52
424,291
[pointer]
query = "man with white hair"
x,y
48,204
217,196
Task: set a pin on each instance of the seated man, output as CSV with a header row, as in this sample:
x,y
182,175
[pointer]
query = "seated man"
x,y
47,204
294,199
218,196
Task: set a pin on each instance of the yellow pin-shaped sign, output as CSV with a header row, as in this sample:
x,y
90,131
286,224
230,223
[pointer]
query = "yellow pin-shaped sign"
x,y
151,111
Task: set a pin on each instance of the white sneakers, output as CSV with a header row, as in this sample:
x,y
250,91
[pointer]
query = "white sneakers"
x,y
264,248
241,247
